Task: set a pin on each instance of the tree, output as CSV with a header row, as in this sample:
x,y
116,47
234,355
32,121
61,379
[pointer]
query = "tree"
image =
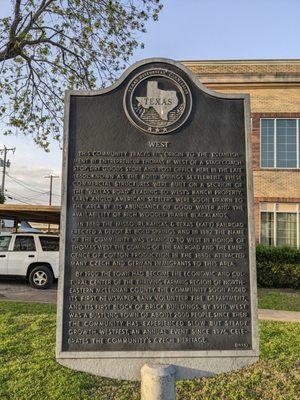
x,y
47,46
2,197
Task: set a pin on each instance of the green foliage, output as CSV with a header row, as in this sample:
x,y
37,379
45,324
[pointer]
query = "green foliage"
x,y
278,267
279,299
2,197
48,46
281,255
274,377
28,370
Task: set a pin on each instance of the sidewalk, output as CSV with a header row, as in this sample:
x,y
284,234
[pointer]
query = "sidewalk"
x,y
279,315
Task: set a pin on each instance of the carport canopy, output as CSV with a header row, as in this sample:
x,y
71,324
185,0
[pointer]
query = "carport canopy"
x,y
30,213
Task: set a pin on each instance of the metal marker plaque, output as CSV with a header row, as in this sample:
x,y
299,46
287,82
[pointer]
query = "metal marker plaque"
x,y
157,249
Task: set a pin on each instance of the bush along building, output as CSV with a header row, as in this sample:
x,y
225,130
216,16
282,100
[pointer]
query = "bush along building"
x,y
274,88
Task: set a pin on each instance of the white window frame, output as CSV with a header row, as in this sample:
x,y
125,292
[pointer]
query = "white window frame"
x,y
275,212
275,144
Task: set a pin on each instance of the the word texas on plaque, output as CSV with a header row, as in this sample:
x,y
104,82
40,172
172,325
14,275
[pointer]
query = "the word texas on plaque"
x,y
157,247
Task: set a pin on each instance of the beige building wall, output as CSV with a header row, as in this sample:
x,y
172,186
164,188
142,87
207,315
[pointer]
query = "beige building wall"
x,y
272,100
274,88
273,85
285,184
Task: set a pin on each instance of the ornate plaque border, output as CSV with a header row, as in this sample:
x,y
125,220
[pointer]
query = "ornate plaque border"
x,y
189,364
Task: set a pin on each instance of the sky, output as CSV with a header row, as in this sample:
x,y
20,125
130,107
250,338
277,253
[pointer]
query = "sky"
x,y
186,30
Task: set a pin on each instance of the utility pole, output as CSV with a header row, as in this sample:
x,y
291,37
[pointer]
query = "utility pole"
x,y
51,177
5,151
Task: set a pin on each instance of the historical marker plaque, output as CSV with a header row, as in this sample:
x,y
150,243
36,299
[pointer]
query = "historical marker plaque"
x,y
157,252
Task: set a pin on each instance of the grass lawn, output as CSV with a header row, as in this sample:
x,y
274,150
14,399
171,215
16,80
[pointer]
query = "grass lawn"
x,y
279,299
28,370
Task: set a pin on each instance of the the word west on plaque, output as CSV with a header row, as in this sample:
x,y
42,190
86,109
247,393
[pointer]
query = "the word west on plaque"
x,y
157,250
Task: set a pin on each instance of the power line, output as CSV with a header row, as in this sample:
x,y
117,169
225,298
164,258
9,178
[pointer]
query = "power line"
x,y
24,185
31,197
10,195
14,198
20,195
21,183
35,196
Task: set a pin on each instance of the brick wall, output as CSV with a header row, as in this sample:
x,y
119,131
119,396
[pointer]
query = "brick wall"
x,y
248,68
274,88
266,99
283,184
273,85
271,185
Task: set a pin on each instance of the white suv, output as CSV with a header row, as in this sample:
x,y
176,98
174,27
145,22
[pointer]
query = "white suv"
x,y
34,256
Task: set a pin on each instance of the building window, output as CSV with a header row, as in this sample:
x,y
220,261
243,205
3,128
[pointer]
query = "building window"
x,y
279,143
267,228
279,224
286,229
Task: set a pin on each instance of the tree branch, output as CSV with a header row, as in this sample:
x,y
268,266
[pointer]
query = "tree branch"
x,y
8,51
17,19
44,5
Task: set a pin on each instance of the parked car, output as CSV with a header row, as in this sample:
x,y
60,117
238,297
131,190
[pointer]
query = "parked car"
x,y
30,255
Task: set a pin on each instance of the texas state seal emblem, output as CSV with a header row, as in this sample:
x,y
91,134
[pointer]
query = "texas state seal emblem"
x,y
157,101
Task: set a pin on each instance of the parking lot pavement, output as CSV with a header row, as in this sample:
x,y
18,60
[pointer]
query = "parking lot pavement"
x,y
19,290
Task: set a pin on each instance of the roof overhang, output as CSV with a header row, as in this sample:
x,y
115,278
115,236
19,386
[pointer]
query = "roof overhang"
x,y
30,213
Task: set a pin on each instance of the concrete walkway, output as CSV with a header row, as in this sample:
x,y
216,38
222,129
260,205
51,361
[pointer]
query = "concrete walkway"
x,y
278,315
19,290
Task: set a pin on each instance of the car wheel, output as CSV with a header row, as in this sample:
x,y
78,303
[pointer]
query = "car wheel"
x,y
41,277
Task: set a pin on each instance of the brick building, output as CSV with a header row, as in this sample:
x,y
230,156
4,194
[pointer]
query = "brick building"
x,y
274,88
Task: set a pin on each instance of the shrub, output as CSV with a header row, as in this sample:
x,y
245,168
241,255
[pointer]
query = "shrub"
x,y
278,267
